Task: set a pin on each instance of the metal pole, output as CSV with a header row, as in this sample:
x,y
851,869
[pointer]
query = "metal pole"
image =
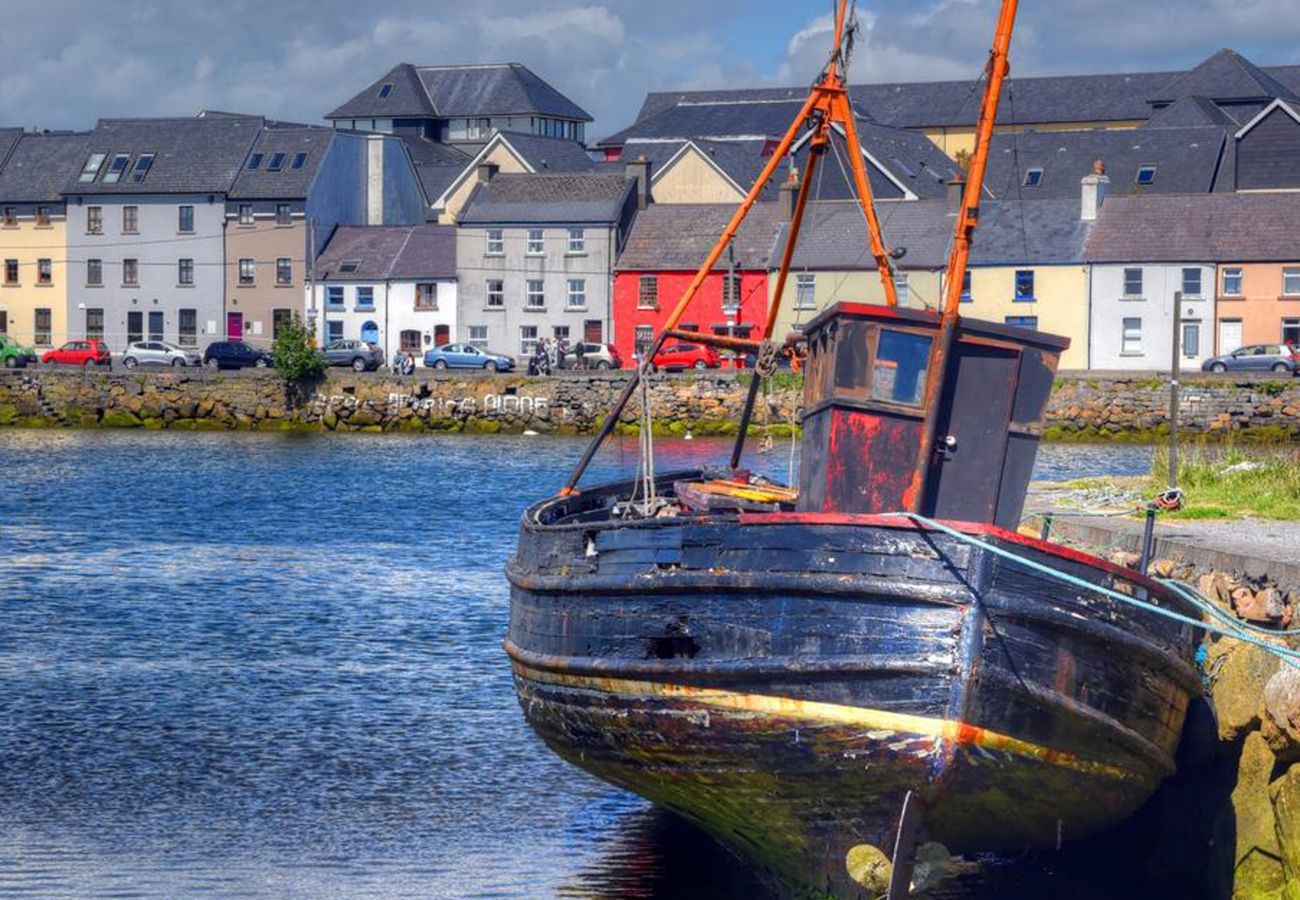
x,y
1174,372
1148,539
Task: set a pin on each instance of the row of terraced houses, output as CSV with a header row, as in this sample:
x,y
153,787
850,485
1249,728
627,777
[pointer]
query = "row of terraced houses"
x,y
464,204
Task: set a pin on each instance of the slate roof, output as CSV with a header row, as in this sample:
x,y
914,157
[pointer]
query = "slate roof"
x,y
39,165
288,183
450,91
733,118
740,160
834,236
1198,228
1193,112
388,252
8,140
1030,232
549,154
193,155
1226,76
578,198
679,236
1187,160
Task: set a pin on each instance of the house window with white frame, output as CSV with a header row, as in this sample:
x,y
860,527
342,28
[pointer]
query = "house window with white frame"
x,y
527,339
1232,281
577,241
478,336
496,243
496,293
334,296
94,272
131,272
185,219
94,220
1133,283
1191,283
245,214
247,272
805,291
130,220
426,295
365,298
1131,338
577,298
185,272
44,272
284,271
648,292
535,297
901,288
1291,282
730,293
536,242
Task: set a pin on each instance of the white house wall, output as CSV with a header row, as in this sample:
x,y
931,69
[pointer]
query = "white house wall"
x,y
394,312
1155,309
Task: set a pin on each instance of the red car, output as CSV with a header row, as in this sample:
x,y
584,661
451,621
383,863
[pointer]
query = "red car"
x,y
80,353
687,356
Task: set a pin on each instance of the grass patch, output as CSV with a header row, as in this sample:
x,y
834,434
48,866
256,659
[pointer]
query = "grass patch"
x,y
1222,482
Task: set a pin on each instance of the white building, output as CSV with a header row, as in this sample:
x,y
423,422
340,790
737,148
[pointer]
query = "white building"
x,y
391,286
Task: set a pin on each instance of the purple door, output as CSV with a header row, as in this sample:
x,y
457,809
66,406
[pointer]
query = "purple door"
x,y
235,326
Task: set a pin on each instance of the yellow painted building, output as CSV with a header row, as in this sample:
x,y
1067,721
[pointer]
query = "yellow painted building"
x,y
691,177
1055,298
961,139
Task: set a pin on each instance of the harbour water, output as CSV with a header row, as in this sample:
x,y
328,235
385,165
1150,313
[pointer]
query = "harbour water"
x,y
246,665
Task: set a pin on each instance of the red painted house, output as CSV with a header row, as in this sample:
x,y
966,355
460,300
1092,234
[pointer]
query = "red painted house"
x,y
666,246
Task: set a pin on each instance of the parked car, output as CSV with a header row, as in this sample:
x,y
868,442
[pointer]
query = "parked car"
x,y
675,357
159,353
15,355
1257,358
235,355
92,352
358,354
594,356
467,356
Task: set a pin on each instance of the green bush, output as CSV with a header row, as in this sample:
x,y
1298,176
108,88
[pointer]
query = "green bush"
x,y
295,354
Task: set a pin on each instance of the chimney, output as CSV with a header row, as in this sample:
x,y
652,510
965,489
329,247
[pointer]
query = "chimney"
x,y
956,190
789,196
639,169
375,179
487,171
1095,188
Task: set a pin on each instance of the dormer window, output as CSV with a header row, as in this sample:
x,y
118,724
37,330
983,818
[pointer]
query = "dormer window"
x,y
116,168
1146,175
385,89
91,168
276,163
143,163
255,162
299,160
349,266
1033,177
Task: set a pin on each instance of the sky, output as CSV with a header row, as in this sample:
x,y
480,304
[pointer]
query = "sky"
x,y
68,62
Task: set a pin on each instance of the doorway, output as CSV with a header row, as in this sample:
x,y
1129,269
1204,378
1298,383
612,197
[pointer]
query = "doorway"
x,y
593,331
155,326
134,327
441,335
235,326
1229,335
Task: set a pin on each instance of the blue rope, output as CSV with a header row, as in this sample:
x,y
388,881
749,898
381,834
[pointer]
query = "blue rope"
x,y
1229,628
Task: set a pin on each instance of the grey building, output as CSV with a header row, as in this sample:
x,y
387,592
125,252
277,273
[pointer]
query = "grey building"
x,y
535,256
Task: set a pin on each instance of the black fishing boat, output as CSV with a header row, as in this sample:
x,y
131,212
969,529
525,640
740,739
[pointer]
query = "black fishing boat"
x,y
823,677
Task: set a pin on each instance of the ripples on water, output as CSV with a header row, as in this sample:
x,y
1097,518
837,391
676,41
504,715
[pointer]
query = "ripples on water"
x,y
246,665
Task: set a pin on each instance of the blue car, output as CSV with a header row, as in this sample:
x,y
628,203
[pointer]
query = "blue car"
x,y
467,356
1280,358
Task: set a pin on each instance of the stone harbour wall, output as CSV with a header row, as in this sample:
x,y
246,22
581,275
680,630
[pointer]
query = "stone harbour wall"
x,y
1081,408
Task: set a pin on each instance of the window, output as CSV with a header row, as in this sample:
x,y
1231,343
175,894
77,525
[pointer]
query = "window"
x,y
95,323
283,214
245,214
349,266
94,220
185,272
805,291
255,162
1131,341
478,336
131,272
44,325
648,295
1146,175
536,294
284,271
155,325
577,298
299,160
42,216
496,293
44,272
247,272
10,217
1132,282
965,287
143,163
409,341
899,370
116,168
1024,286
1030,322
426,295
730,293
527,339
334,295
1290,332
1033,177
365,298
901,289
1291,282
385,89
188,327
134,327
276,163
1191,282
11,271
185,219
536,243
94,272
333,330
91,168
645,335
130,219
1232,281
496,245
577,240
280,319
1191,339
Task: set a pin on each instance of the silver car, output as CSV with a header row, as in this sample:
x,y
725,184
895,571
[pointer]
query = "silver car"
x,y
159,353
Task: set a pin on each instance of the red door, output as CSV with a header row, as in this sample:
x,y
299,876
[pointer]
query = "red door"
x,y
441,335
235,326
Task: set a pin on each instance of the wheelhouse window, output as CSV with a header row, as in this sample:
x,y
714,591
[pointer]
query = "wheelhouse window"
x,y
1191,283
899,369
535,297
426,295
577,297
1291,282
496,293
536,242
247,272
496,244
1232,281
284,271
648,293
1131,338
1024,286
188,327
185,219
577,240
185,272
805,291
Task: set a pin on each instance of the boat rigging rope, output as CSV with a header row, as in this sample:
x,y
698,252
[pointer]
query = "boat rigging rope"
x,y
1229,627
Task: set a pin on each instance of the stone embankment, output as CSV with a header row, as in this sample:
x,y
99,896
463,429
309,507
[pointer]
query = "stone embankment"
x,y
1090,407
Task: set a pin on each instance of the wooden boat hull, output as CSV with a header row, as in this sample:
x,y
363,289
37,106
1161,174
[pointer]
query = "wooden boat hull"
x,y
784,680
